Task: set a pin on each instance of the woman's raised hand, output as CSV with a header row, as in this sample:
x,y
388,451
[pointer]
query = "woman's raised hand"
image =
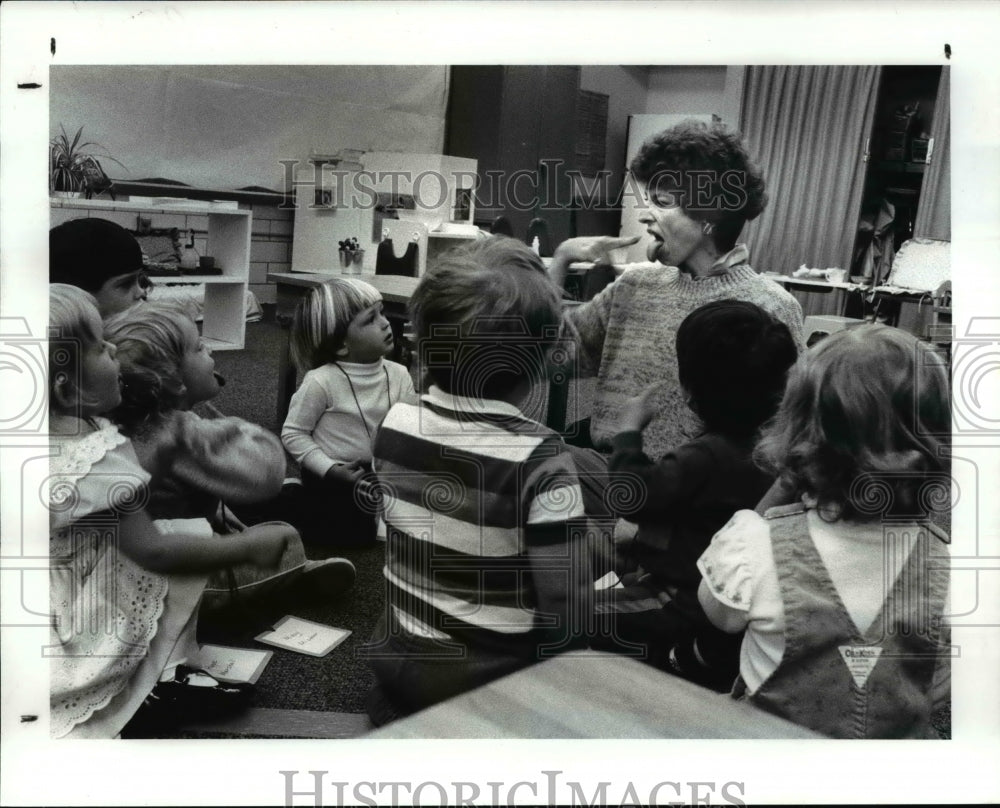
x,y
584,248
592,248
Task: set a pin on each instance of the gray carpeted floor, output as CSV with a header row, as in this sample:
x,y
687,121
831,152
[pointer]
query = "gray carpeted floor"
x,y
340,681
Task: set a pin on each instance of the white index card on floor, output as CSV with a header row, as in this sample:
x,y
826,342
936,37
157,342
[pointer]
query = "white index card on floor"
x,y
304,636
232,664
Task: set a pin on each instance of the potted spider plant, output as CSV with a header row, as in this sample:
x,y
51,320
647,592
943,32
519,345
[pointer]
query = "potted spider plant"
x,y
75,167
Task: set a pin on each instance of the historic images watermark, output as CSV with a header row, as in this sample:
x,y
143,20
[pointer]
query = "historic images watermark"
x,y
552,186
313,788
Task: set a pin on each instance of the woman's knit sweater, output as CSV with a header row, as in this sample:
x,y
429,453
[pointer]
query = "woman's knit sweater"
x,y
626,336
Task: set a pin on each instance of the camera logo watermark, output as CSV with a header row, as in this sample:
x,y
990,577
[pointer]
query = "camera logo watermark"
x,y
23,373
975,360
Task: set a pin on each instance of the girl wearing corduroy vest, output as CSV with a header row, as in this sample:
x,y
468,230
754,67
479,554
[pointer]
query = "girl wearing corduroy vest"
x,y
843,592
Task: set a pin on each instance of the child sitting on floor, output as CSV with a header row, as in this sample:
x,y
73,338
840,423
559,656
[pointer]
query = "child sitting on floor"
x,y
487,567
124,597
732,360
100,257
213,462
339,340
843,593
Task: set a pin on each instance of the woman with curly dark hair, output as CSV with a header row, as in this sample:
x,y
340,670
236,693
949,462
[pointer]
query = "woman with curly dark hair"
x,y
700,188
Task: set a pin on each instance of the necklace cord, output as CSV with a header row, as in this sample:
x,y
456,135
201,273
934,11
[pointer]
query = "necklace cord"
x,y
354,395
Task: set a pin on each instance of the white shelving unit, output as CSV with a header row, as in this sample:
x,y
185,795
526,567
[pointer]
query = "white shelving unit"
x,y
228,241
350,211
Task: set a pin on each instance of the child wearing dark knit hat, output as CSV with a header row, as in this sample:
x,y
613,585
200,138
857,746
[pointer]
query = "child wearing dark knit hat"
x,y
101,257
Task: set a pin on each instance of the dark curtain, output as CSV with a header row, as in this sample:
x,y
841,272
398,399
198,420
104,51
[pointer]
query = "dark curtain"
x,y
934,213
807,126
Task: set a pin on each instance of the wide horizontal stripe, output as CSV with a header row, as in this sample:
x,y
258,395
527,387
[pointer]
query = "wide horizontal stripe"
x,y
477,438
502,619
414,626
509,422
508,584
452,402
444,491
446,531
474,467
471,490
556,503
525,644
506,589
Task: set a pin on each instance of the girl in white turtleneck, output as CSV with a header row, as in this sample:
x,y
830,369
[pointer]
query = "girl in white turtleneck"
x,y
339,340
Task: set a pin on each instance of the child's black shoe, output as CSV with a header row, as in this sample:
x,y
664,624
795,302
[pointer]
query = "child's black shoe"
x,y
199,691
191,696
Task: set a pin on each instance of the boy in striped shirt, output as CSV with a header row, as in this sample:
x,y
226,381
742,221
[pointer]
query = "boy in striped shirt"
x,y
487,562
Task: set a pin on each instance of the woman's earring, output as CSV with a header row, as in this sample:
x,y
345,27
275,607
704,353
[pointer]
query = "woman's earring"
x,y
707,228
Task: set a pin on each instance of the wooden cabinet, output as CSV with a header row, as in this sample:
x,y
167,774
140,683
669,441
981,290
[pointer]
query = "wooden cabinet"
x,y
519,122
227,240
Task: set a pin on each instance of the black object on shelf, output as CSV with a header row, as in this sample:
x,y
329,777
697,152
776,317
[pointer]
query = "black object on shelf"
x,y
902,166
163,271
386,262
501,226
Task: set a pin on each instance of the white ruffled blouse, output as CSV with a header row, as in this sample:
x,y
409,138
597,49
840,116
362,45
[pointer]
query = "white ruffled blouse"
x,y
105,607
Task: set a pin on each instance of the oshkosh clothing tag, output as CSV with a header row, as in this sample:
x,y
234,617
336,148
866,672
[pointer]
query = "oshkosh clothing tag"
x,y
860,660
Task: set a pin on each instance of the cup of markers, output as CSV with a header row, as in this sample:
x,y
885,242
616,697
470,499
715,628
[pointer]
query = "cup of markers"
x,y
351,255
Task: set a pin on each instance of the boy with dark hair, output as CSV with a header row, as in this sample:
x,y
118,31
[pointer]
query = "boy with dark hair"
x,y
487,567
732,361
101,257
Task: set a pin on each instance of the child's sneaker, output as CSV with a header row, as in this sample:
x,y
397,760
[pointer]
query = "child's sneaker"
x,y
327,578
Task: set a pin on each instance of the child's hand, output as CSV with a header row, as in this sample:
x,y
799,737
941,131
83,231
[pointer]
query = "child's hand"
x,y
640,410
346,473
266,543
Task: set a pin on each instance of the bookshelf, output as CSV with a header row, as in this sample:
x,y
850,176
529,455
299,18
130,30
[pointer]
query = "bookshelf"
x,y
227,240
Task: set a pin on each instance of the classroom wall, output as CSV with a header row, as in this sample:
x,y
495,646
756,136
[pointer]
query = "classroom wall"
x,y
230,126
270,248
626,87
680,89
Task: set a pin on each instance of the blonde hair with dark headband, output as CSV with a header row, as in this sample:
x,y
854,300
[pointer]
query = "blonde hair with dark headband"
x,y
319,326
